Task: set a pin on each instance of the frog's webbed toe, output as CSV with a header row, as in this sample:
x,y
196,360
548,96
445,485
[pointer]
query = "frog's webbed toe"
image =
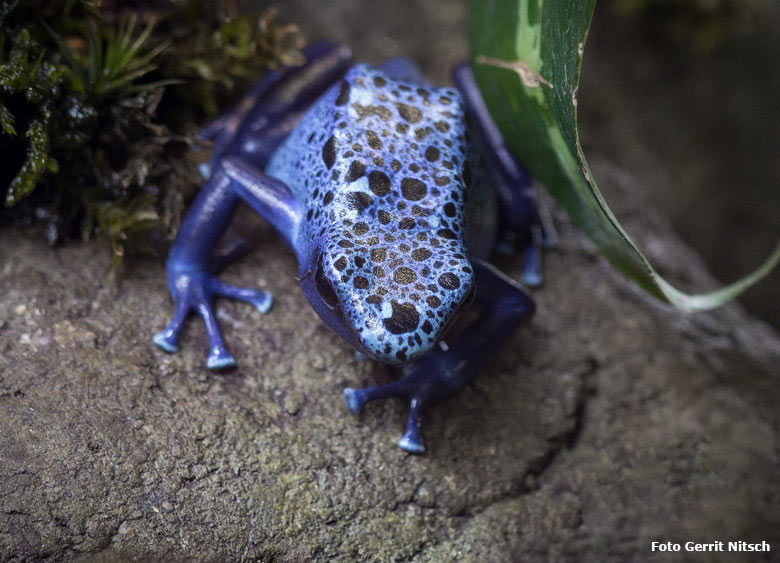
x,y
195,292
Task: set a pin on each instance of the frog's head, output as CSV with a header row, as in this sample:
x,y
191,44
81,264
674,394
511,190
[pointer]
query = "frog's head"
x,y
387,266
390,293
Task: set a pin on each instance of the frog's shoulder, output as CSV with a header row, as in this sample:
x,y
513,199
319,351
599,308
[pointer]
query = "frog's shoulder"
x,y
370,121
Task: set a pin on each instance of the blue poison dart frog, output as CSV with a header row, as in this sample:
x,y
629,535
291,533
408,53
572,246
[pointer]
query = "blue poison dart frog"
x,y
391,193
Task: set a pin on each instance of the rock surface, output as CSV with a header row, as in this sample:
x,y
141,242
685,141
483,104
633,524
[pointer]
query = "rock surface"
x,y
610,421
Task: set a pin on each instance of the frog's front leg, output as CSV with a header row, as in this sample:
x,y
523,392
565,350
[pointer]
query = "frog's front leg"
x,y
521,223
192,266
444,371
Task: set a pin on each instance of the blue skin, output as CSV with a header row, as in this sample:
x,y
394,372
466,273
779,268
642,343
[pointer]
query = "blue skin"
x,y
391,193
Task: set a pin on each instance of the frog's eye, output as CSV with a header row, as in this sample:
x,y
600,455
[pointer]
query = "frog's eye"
x,y
324,287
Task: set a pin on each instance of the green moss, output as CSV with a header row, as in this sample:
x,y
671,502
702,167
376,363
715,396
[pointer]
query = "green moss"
x,y
99,105
30,86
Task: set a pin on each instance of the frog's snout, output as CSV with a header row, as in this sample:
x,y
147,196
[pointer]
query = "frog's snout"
x,y
392,293
409,326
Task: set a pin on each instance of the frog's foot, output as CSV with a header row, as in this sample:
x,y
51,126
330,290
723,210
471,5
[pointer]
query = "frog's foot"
x,y
195,292
411,441
427,380
543,236
531,244
446,369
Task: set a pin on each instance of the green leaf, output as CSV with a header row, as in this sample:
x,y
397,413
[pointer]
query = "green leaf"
x,y
526,56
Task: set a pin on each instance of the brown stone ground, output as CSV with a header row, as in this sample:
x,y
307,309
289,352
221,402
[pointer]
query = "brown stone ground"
x,y
610,420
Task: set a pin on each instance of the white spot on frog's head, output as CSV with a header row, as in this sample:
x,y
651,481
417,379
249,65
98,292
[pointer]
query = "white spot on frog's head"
x,y
361,184
387,310
362,96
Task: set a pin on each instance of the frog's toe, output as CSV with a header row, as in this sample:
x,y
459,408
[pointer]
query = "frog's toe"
x,y
219,358
412,443
355,399
262,300
531,249
166,341
549,234
532,275
532,259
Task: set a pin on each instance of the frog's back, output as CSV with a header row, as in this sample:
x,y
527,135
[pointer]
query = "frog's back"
x,y
393,151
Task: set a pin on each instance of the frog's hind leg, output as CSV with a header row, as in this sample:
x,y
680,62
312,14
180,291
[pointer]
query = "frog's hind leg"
x,y
220,130
168,338
442,372
264,117
520,221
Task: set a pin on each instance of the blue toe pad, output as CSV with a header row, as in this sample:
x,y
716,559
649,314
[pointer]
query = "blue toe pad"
x,y
532,278
354,399
411,444
166,343
264,302
220,358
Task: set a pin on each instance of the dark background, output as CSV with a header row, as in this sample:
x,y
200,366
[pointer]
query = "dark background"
x,y
694,121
